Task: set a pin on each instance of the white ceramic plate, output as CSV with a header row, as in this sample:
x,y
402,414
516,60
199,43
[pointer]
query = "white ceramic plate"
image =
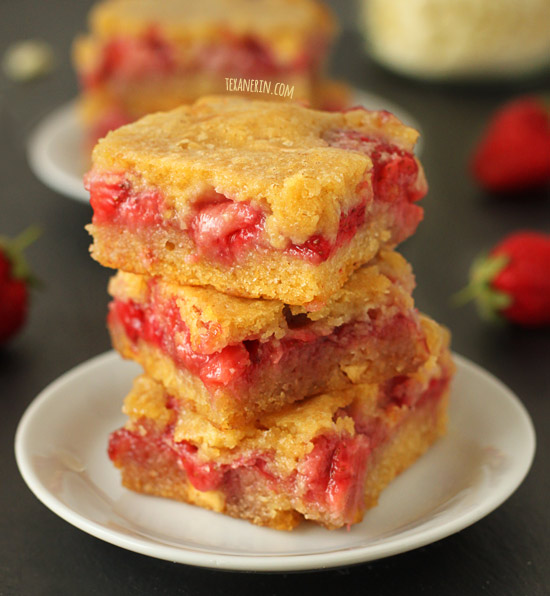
x,y
56,155
61,453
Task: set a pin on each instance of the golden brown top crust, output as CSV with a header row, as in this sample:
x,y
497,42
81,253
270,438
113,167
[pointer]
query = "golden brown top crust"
x,y
216,320
272,153
290,432
285,26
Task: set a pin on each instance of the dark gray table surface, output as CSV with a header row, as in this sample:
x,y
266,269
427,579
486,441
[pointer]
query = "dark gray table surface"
x,y
507,553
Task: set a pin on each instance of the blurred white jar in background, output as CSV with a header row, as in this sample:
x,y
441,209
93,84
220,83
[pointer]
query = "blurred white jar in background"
x,y
458,39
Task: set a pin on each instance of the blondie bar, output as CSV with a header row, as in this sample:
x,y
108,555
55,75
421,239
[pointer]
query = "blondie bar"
x,y
258,199
236,358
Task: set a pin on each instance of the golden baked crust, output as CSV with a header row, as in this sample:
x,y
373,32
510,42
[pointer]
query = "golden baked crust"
x,y
215,320
270,153
285,26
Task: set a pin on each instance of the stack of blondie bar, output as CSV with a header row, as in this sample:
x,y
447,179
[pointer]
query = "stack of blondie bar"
x,y
287,372
141,56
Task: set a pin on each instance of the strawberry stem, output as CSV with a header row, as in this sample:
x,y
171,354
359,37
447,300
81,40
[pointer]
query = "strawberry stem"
x,y
25,238
465,295
489,302
13,249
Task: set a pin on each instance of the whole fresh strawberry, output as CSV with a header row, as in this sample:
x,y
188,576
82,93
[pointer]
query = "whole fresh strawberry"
x,y
15,279
513,280
514,151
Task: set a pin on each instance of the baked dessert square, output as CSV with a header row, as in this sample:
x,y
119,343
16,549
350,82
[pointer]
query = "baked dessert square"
x,y
143,56
237,358
257,199
324,459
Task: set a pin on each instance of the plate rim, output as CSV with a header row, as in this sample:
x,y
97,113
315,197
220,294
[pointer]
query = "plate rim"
x,y
39,158
268,562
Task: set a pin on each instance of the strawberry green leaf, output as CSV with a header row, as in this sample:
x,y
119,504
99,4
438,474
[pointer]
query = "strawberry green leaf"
x,y
490,302
13,249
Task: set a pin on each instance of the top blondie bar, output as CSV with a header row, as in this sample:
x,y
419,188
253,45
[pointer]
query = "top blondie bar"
x,y
257,199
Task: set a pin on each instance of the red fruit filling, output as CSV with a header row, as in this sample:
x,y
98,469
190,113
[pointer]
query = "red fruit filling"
x,y
245,57
395,177
318,249
163,327
334,474
157,321
222,230
226,229
203,476
331,478
395,170
114,201
145,445
250,58
334,471
127,59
